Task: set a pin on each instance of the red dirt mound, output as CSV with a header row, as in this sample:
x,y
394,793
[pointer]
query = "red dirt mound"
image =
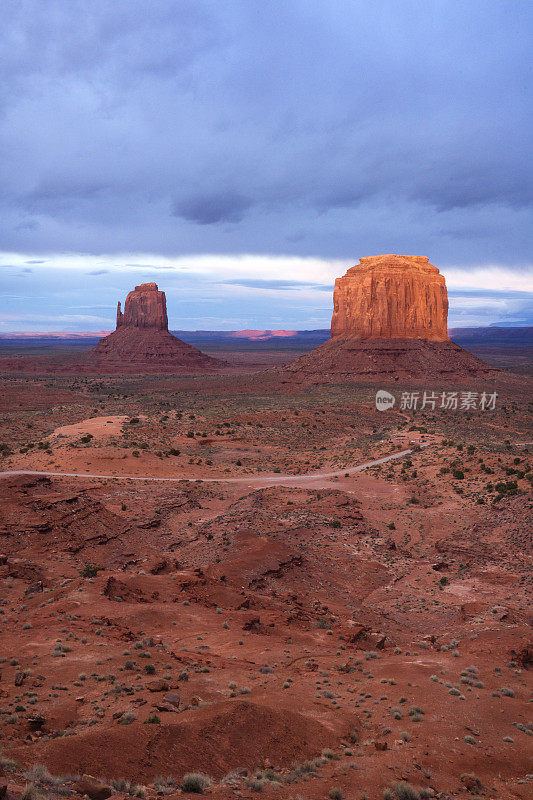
x,y
213,739
386,360
130,349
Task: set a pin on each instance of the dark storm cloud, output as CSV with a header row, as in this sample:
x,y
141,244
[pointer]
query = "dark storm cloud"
x,y
331,129
212,208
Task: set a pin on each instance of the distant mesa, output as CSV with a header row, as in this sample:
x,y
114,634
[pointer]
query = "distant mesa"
x,y
389,323
262,336
143,342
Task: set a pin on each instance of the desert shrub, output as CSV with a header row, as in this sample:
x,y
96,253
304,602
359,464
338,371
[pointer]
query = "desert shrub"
x,y
40,774
133,789
506,487
153,719
306,767
507,692
255,784
8,764
89,571
195,782
120,784
528,729
404,791
164,785
30,792
271,775
336,793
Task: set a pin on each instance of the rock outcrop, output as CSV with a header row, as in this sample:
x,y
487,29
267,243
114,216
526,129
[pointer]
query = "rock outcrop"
x,y
389,323
391,297
142,341
145,307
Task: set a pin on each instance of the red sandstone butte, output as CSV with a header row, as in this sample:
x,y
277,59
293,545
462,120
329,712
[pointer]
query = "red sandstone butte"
x,y
145,307
142,341
391,297
389,323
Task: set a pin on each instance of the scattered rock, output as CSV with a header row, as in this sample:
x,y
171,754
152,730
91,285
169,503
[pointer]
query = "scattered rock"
x,y
157,685
93,788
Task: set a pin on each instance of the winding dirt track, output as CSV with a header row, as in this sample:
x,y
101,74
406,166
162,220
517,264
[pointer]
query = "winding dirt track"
x,y
265,479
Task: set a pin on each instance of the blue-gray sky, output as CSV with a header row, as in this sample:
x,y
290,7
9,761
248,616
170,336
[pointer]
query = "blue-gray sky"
x,y
243,154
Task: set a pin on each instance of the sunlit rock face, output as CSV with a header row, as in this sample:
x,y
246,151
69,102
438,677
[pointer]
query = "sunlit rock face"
x,y
142,341
145,307
391,297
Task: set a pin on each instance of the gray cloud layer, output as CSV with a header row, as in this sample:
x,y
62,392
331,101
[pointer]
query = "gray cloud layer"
x,y
331,128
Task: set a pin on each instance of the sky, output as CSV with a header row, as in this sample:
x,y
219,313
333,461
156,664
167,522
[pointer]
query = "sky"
x,y
244,154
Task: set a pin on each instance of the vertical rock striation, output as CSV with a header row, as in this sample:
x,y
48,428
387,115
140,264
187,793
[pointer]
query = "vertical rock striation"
x,y
391,297
145,307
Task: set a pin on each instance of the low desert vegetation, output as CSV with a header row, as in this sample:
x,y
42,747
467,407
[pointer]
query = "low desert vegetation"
x,y
195,782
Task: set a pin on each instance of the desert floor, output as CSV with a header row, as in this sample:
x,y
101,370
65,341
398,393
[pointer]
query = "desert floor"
x,y
282,629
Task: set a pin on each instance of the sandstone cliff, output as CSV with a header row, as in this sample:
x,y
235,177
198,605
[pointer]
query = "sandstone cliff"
x,y
390,324
142,341
391,297
145,307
